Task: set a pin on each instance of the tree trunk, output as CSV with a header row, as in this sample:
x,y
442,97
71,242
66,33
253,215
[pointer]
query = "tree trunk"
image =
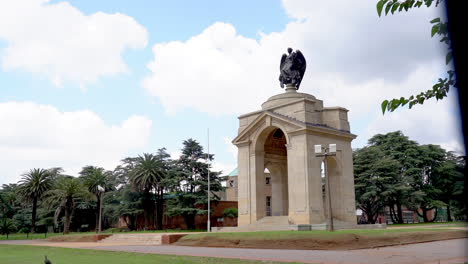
x,y
98,207
190,221
449,215
34,212
400,214
159,213
147,209
370,215
66,225
392,213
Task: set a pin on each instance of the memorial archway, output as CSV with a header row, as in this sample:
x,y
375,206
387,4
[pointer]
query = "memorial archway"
x,y
271,188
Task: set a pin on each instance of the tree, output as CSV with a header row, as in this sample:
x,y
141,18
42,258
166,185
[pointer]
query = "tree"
x,y
129,206
373,172
32,187
8,200
400,192
190,183
6,226
147,176
92,178
450,183
443,85
427,179
66,195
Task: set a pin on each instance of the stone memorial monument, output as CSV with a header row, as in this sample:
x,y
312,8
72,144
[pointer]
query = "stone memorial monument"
x,y
281,138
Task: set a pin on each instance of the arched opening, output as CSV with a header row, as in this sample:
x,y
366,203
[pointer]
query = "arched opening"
x,y
329,168
276,178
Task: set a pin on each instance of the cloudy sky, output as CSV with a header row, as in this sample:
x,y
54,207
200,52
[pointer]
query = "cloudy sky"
x,y
87,82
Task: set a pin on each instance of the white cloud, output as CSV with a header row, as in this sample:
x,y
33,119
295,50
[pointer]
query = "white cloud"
x,y
439,127
35,135
222,72
58,41
354,59
231,148
225,168
175,154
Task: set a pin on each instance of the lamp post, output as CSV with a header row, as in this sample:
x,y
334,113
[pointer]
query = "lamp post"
x,y
101,191
330,151
208,224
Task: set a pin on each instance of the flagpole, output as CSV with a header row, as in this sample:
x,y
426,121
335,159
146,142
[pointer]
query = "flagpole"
x,y
209,189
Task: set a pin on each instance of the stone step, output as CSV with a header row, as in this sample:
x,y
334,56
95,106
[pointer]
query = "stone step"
x,y
273,220
147,239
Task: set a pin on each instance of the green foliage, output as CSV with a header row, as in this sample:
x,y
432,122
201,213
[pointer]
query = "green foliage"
x,y
32,187
395,171
94,178
129,206
149,175
373,173
230,212
189,182
68,193
441,88
24,230
7,226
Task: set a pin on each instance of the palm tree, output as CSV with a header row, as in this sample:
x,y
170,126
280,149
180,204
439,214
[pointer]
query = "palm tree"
x,y
93,177
68,192
32,187
146,177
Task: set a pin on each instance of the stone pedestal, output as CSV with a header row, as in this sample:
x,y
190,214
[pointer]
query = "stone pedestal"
x,y
281,137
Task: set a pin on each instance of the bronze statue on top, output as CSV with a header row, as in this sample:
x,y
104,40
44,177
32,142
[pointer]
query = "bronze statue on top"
x,y
292,68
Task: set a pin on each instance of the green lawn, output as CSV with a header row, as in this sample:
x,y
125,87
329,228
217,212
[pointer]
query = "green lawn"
x,y
13,254
304,234
21,236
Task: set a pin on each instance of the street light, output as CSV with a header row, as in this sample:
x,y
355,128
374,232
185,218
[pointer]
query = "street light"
x,y
101,191
319,152
208,223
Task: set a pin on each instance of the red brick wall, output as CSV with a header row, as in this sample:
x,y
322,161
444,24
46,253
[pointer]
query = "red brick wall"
x,y
178,222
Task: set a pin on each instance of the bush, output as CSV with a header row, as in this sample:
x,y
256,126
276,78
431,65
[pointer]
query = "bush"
x,y
117,230
230,212
7,226
25,230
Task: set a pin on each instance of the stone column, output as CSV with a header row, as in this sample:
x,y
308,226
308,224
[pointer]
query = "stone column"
x,y
298,180
277,190
243,185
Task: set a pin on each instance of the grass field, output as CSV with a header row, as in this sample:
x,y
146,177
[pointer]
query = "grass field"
x,y
13,254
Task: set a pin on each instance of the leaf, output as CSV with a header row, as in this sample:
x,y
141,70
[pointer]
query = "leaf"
x,y
448,58
434,30
380,5
406,6
389,5
435,20
394,104
384,106
395,7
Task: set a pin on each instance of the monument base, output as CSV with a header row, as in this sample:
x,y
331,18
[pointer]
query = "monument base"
x,y
303,227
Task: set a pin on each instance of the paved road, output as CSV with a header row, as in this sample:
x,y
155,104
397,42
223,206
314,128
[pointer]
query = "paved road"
x,y
440,252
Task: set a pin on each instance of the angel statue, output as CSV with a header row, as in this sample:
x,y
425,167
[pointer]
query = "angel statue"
x,y
292,68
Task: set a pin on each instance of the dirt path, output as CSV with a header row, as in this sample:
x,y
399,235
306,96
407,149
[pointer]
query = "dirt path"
x,y
448,251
